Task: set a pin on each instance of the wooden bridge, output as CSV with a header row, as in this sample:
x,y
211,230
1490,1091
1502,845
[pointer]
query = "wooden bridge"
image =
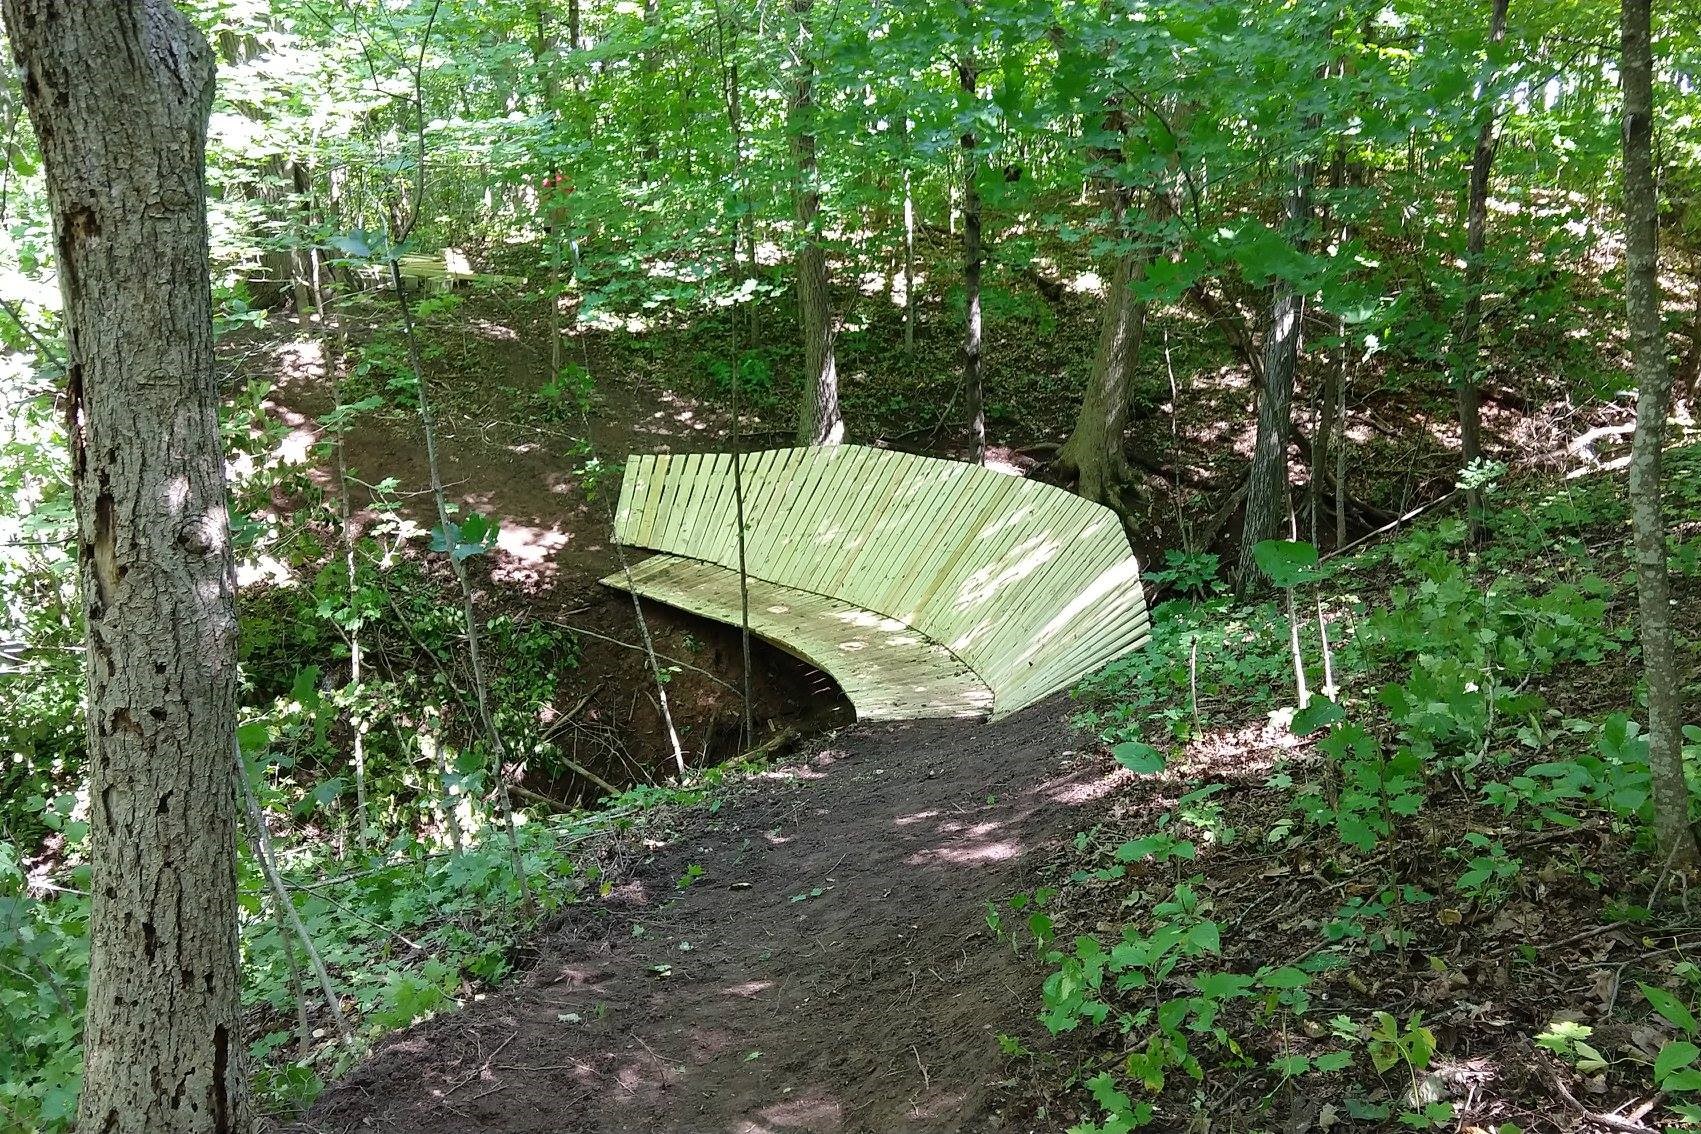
x,y
924,587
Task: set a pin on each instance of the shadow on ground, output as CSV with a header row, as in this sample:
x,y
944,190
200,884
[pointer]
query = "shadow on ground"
x,y
829,971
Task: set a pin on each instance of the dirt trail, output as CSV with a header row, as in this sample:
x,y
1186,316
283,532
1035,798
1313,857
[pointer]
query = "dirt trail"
x,y
830,970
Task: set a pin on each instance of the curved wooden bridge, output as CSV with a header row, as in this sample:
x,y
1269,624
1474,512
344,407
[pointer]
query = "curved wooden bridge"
x,y
924,587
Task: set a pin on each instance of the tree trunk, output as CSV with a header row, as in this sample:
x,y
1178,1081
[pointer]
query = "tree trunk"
x,y
301,252
819,420
1470,321
1329,399
1094,455
649,146
1653,402
744,223
909,240
1267,487
1689,377
972,260
124,146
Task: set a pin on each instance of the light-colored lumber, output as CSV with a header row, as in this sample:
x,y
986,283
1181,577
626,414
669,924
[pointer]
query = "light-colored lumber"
x,y
924,587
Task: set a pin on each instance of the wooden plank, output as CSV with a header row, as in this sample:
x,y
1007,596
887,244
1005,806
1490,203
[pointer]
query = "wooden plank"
x,y
1089,644
960,513
812,496
887,673
623,504
884,474
1021,519
1023,605
714,536
1052,641
646,517
906,535
946,600
705,512
899,570
1052,586
678,512
769,513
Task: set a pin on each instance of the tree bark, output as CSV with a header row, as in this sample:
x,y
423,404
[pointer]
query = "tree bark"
x,y
1470,320
1267,486
650,147
744,224
124,145
909,239
1653,403
1095,455
819,420
967,74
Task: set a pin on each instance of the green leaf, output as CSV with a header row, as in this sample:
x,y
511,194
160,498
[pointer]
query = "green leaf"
x,y
1683,1079
1206,936
1320,712
253,738
1670,1008
1673,1056
1141,759
1287,562
1222,986
1104,1092
305,690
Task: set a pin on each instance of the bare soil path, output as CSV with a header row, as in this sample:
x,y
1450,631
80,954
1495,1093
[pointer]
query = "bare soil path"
x,y
829,970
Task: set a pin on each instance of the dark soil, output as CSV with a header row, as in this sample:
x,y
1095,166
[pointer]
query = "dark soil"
x,y
830,970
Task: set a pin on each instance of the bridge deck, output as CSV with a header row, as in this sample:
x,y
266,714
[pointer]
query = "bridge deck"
x,y
887,670
926,587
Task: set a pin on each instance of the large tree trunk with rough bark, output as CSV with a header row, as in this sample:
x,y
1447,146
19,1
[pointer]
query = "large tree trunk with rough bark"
x,y
1653,403
1094,456
972,261
1267,487
819,421
119,92
1470,319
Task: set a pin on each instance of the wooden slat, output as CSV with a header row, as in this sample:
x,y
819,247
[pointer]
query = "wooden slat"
x,y
886,670
1057,582
901,571
962,515
710,507
1025,603
914,519
773,510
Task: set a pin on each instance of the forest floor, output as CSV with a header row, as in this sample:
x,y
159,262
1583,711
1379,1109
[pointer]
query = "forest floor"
x,y
810,955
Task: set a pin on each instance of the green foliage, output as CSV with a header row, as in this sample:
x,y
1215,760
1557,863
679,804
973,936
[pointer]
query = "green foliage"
x,y
43,979
659,227
1191,574
1443,683
1287,563
1214,648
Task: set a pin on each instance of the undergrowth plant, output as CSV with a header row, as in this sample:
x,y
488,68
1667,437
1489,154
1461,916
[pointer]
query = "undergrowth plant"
x,y
1444,657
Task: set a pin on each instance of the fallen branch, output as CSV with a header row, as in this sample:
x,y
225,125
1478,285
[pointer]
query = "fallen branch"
x,y
1395,523
1610,1121
774,744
